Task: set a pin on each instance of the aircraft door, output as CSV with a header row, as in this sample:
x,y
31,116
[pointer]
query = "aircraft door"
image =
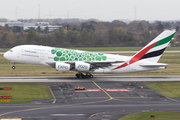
x,y
18,53
41,56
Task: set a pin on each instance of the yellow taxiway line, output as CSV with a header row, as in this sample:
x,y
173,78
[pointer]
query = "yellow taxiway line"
x,y
103,90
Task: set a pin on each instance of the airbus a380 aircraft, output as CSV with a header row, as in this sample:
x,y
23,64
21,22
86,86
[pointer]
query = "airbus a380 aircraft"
x,y
92,62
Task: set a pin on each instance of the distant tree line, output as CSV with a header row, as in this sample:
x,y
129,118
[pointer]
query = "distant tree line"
x,y
90,33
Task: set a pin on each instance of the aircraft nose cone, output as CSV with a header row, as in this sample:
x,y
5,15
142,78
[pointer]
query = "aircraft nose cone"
x,y
7,55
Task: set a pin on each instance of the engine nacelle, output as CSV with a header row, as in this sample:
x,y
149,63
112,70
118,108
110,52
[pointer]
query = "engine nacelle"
x,y
61,66
82,66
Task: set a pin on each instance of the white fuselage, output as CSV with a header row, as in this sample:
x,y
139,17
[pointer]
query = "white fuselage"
x,y
40,55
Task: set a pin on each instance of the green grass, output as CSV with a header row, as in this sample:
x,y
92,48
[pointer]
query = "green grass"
x,y
25,92
168,89
172,59
4,49
173,115
108,48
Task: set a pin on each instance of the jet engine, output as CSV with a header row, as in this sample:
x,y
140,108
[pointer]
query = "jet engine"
x,y
82,66
61,66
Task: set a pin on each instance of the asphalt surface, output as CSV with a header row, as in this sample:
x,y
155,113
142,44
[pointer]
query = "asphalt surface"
x,y
96,78
105,98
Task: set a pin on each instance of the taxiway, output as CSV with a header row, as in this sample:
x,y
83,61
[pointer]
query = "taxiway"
x,y
108,97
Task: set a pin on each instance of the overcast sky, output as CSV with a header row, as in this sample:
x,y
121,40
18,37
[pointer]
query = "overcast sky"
x,y
105,10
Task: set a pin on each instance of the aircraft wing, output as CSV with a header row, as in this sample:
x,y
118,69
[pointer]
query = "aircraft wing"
x,y
94,64
52,64
102,64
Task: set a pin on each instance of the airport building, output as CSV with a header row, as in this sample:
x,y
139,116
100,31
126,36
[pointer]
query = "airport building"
x,y
29,25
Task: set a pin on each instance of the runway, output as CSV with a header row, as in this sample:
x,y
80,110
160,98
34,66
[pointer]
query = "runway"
x,y
102,100
96,78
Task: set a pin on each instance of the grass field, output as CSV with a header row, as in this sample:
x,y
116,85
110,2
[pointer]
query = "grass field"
x,y
168,89
173,115
108,48
25,92
4,49
172,59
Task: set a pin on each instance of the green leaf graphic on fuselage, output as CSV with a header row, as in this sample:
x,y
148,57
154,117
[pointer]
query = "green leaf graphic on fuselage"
x,y
98,58
57,48
104,58
67,56
62,59
59,53
53,51
56,58
71,55
100,54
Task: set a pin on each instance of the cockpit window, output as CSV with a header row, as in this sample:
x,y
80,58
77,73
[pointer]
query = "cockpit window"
x,y
10,50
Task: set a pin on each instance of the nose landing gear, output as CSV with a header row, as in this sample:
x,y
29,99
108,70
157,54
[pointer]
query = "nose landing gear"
x,y
81,75
13,67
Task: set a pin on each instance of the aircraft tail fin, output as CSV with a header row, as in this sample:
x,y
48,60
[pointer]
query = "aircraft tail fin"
x,y
155,48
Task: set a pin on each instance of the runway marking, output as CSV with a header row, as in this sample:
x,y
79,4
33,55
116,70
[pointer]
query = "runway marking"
x,y
74,105
104,97
52,94
57,106
67,115
103,90
89,97
172,99
118,90
139,101
89,90
11,119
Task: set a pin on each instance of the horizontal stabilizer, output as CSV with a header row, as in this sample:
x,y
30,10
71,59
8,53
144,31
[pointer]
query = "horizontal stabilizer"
x,y
154,65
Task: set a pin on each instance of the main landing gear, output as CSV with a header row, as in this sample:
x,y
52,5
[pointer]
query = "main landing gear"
x,y
81,75
13,67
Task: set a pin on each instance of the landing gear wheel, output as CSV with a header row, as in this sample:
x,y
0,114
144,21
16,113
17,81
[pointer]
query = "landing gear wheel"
x,y
13,67
90,76
77,75
82,75
87,76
